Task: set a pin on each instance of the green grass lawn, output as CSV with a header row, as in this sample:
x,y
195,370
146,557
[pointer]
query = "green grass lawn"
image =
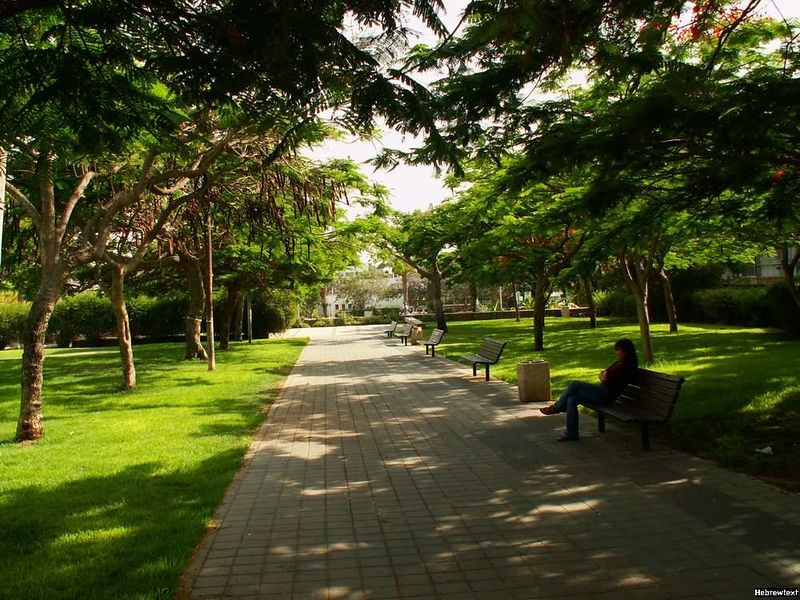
x,y
111,503
742,389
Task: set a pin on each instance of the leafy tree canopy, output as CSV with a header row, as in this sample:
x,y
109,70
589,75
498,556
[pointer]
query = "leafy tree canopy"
x,y
94,72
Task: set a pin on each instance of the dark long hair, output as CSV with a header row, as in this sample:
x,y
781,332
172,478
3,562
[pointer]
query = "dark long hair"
x,y
628,349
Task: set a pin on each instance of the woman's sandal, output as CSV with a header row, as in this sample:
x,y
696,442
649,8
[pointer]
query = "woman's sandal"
x,y
566,438
548,410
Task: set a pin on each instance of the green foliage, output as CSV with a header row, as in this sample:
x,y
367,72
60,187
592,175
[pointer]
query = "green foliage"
x,y
70,82
268,319
157,317
273,311
86,315
733,306
89,316
785,313
94,73
340,320
12,322
363,288
616,303
125,483
391,312
685,282
322,322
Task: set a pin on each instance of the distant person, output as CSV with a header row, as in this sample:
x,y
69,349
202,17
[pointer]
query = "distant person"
x,y
612,381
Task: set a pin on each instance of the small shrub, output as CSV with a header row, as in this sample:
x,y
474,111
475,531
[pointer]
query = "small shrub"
x,y
374,320
323,322
12,322
391,312
87,315
157,317
616,303
268,319
733,306
273,311
785,313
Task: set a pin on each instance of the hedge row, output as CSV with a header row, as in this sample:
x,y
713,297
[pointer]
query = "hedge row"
x,y
12,320
344,320
752,305
90,316
771,306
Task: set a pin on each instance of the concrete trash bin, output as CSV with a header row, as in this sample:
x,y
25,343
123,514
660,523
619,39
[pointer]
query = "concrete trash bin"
x,y
533,381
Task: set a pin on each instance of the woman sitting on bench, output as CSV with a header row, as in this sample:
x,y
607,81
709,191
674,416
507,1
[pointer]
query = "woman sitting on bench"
x,y
612,381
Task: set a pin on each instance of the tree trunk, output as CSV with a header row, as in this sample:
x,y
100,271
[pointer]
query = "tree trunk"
x,y
669,299
123,326
194,318
30,425
540,289
643,316
212,357
228,310
587,286
788,265
637,280
435,287
473,297
249,320
323,299
404,281
237,328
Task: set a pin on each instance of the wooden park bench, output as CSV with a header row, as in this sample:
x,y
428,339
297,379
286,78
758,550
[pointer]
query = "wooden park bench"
x,y
650,399
433,341
488,354
402,331
392,326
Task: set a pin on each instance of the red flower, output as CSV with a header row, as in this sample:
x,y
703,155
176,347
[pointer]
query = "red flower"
x,y
778,175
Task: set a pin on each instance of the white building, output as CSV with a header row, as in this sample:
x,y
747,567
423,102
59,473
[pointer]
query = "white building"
x,y
767,269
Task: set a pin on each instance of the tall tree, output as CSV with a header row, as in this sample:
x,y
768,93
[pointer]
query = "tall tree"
x,y
423,240
69,238
81,80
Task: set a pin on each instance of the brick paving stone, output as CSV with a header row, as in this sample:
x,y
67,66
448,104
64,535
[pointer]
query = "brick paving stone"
x,y
383,473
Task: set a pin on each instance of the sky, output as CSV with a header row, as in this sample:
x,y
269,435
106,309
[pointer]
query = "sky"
x,y
414,187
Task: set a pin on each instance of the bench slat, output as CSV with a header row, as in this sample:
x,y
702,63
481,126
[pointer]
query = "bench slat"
x,y
436,337
641,396
629,416
434,340
491,349
662,376
403,332
488,354
657,386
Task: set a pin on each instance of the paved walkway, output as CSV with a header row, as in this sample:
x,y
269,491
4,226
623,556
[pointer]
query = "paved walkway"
x,y
383,473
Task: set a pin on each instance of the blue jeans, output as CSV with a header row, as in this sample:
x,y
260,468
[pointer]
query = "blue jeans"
x,y
578,392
